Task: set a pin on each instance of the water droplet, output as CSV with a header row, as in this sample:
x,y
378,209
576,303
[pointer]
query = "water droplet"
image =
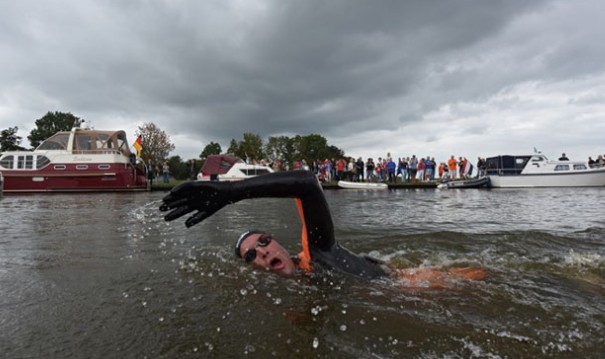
x,y
343,328
315,343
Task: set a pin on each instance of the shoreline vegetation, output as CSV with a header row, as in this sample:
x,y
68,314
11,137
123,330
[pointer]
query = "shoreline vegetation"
x,y
326,185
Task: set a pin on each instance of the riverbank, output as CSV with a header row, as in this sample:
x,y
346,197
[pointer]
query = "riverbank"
x,y
326,186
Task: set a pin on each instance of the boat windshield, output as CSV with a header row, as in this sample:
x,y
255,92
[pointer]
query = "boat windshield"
x,y
56,142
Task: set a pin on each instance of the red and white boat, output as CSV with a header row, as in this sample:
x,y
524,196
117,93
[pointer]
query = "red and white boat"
x,y
81,160
229,168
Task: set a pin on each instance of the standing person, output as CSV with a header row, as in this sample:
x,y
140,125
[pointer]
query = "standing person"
x,y
378,169
328,169
359,166
150,174
452,165
340,169
430,168
480,167
421,168
391,167
413,164
400,169
166,172
563,157
370,169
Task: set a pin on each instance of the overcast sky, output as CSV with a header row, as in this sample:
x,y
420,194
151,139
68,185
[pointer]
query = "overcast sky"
x,y
461,77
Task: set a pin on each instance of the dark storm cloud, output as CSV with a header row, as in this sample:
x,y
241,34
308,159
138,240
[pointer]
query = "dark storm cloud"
x,y
212,70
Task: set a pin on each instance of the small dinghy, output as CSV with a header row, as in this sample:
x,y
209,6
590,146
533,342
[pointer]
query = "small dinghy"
x,y
362,185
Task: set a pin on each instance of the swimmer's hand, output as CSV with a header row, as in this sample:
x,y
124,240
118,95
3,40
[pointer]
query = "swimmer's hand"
x,y
205,197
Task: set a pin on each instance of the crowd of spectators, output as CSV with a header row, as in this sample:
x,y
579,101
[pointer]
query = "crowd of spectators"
x,y
388,169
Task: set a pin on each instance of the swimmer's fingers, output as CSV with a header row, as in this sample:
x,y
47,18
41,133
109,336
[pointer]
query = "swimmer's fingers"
x,y
176,213
196,218
170,204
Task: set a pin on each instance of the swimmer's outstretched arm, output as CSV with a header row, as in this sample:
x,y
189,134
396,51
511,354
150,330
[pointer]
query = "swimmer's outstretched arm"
x,y
208,197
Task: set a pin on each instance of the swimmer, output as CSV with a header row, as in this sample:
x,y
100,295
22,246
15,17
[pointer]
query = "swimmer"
x,y
320,250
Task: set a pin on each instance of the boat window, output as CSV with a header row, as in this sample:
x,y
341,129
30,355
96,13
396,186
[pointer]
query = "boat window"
x,y
122,144
225,165
59,167
579,167
83,142
42,161
258,171
562,168
104,141
537,159
104,167
56,142
82,167
25,162
7,162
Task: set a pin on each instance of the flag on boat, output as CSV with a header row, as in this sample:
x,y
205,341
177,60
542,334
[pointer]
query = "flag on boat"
x,y
467,168
138,145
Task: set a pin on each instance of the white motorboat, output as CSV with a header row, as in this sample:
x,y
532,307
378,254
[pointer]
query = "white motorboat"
x,y
229,168
362,185
538,171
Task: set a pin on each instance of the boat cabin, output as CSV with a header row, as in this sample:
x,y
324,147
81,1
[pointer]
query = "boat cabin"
x,y
508,165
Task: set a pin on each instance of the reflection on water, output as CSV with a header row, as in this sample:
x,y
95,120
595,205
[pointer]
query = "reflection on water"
x,y
104,276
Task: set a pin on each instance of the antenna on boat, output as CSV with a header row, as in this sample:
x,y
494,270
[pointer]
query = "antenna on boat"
x,y
536,151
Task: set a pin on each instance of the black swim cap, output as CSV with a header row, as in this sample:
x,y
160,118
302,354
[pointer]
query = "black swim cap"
x,y
241,238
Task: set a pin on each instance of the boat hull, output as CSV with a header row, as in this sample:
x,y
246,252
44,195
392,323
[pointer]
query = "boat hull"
x,y
117,177
593,178
362,185
470,183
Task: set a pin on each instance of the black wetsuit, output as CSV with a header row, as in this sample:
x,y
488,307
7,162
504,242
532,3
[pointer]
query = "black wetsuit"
x,y
318,228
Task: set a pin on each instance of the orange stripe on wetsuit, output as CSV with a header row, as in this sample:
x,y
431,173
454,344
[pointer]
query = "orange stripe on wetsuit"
x,y
305,255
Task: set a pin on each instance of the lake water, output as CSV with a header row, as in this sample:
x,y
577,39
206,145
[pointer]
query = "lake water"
x,y
102,275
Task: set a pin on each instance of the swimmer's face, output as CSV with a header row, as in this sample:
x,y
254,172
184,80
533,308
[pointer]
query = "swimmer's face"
x,y
264,252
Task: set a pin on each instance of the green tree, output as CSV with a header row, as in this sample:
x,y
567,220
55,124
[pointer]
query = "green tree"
x,y
251,147
315,147
212,148
280,148
9,141
156,144
233,147
178,169
50,124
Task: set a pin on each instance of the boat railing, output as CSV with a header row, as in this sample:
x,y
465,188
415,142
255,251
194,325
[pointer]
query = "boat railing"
x,y
503,171
97,152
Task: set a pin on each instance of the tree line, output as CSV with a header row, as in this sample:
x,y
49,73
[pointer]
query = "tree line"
x,y
157,145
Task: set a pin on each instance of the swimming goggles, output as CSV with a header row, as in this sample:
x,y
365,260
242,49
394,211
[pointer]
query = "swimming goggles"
x,y
262,241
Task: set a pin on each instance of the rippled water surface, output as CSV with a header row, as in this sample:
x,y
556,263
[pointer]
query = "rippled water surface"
x,y
102,275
